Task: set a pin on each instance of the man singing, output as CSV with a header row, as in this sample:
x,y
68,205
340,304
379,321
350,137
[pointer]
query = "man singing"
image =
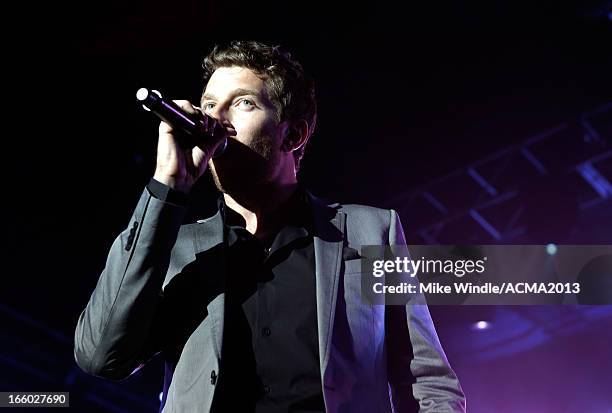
x,y
258,308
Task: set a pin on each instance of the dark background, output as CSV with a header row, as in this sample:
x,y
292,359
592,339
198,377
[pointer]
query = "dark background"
x,y
415,101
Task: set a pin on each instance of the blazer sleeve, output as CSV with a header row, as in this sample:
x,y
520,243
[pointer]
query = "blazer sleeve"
x,y
115,333
417,365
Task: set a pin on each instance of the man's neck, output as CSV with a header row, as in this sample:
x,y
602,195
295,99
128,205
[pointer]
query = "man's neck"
x,y
264,210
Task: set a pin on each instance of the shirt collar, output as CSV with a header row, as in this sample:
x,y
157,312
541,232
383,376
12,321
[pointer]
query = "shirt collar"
x,y
303,213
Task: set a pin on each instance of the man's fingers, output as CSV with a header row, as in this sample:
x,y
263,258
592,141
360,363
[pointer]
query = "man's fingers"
x,y
164,128
187,106
209,124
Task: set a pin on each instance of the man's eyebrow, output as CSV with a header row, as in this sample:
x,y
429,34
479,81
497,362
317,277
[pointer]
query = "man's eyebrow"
x,y
235,92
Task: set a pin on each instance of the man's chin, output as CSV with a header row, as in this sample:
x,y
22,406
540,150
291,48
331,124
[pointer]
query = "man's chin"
x,y
232,176
233,183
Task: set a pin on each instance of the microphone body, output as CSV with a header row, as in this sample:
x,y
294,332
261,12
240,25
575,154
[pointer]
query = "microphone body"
x,y
191,126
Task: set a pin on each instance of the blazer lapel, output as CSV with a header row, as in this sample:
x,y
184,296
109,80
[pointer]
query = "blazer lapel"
x,y
328,242
208,233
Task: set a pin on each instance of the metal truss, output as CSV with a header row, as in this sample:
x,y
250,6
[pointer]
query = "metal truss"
x,y
486,200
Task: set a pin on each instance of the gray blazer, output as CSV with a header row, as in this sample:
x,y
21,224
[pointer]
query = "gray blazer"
x,y
154,297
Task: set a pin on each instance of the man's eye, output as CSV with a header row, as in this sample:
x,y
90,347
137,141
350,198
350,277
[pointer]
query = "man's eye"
x,y
246,103
208,106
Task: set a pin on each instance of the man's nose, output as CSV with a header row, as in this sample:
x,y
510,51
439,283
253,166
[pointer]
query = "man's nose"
x,y
221,115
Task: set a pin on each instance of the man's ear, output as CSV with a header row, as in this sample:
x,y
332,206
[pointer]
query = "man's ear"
x,y
297,135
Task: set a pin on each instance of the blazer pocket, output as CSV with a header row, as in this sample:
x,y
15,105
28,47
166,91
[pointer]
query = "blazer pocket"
x,y
349,254
352,260
352,267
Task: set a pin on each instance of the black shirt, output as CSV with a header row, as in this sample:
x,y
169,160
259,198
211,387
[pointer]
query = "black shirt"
x,y
270,354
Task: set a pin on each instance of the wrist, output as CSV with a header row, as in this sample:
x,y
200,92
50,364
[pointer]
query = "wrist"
x,y
176,183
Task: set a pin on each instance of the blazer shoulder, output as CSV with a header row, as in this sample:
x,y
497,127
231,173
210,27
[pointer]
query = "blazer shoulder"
x,y
366,214
352,209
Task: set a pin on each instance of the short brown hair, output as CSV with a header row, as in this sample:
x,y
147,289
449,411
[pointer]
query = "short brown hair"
x,y
291,90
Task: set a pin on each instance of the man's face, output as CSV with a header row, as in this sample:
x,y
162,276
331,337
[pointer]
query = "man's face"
x,y
238,98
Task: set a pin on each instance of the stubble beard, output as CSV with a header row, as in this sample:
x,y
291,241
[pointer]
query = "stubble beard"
x,y
233,175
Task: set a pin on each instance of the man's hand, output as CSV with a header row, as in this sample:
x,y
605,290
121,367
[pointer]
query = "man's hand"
x,y
180,168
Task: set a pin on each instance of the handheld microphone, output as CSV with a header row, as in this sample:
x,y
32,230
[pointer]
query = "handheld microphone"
x,y
191,125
